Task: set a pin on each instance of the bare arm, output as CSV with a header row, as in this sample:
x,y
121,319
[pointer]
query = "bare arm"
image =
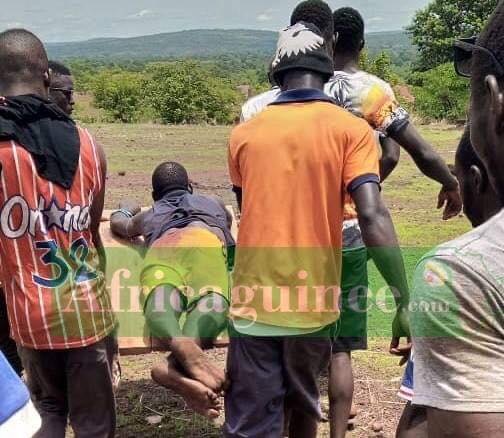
x,y
380,238
391,152
432,165
128,225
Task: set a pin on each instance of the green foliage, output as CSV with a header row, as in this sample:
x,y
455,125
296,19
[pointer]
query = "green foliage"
x,y
441,94
185,92
119,93
380,66
435,28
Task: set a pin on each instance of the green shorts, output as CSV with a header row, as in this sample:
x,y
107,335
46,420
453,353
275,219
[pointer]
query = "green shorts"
x,y
192,259
352,333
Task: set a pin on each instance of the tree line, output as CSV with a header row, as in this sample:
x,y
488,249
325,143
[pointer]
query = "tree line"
x,y
206,90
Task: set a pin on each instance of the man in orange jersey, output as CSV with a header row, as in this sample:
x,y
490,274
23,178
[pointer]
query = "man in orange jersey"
x,y
291,166
51,200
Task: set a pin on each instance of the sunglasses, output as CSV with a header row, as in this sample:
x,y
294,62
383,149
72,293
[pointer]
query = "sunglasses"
x,y
66,91
463,51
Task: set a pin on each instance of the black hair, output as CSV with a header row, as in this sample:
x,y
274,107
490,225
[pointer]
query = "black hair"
x,y
169,176
57,68
349,27
492,38
316,12
22,57
467,156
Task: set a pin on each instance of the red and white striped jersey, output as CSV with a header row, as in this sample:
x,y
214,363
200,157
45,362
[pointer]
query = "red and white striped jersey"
x,y
54,288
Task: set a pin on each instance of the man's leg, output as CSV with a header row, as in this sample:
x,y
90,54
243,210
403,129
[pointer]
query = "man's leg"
x,y
341,389
198,397
413,423
7,345
46,380
91,399
304,359
255,400
163,311
352,334
206,319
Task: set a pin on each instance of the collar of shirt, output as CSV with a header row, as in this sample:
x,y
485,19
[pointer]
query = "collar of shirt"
x,y
302,95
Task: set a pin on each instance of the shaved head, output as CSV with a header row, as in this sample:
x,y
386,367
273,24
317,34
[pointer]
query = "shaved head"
x,y
23,63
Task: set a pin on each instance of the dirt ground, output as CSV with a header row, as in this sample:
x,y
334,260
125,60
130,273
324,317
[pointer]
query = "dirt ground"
x,y
140,401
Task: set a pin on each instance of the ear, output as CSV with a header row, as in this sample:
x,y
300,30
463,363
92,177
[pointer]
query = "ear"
x,y
496,104
335,41
47,78
476,178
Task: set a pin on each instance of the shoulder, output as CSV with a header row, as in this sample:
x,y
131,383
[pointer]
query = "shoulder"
x,y
373,81
258,103
345,120
359,81
479,252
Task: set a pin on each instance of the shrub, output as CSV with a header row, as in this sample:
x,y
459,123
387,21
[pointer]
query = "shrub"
x,y
441,94
185,92
119,93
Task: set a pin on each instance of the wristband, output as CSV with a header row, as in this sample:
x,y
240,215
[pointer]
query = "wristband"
x,y
123,211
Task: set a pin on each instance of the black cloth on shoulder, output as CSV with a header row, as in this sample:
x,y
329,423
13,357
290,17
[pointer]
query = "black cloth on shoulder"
x,y
46,132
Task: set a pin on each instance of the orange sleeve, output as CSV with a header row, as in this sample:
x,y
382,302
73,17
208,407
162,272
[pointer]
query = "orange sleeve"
x,y
361,157
233,163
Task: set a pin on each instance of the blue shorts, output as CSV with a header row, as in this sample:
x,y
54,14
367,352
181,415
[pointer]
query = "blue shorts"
x,y
406,392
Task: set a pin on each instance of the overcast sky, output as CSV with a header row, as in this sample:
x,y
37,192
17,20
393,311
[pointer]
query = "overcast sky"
x,y
71,20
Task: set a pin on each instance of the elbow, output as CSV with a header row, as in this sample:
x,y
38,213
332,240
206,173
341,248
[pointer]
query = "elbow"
x,y
391,156
373,217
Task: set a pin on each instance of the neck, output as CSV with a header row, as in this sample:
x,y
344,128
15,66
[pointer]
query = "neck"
x,y
297,80
24,89
347,62
490,207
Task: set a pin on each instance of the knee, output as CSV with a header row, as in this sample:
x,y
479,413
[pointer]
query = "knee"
x,y
341,391
341,385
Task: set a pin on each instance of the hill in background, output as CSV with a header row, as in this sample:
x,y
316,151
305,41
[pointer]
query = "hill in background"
x,y
207,44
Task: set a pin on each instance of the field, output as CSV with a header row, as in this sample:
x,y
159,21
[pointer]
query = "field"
x,y
133,152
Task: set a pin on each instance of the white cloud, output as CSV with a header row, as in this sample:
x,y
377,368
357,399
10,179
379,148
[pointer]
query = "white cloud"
x,y
264,17
374,19
141,14
267,15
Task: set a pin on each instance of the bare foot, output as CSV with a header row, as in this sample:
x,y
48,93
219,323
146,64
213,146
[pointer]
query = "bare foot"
x,y
198,397
196,364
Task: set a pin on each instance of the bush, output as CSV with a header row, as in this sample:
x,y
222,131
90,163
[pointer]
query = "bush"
x,y
380,66
119,93
440,94
185,92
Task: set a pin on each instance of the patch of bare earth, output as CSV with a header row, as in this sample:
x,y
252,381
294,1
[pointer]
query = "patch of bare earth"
x,y
148,410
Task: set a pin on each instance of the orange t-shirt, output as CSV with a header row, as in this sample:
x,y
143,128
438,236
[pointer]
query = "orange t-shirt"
x,y
294,162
